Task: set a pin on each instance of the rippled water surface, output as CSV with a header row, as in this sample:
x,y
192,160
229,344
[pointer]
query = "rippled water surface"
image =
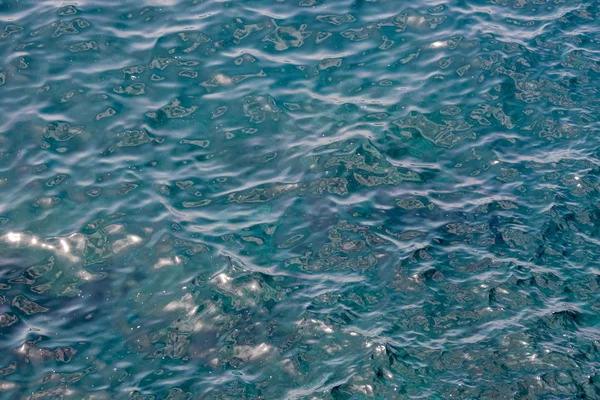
x,y
299,199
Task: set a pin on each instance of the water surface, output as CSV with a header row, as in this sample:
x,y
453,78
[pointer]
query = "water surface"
x,y
299,199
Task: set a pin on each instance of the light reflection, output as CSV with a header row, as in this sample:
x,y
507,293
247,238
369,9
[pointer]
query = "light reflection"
x,y
223,79
167,262
438,44
122,244
13,237
134,238
73,246
322,326
186,304
84,275
65,245
7,385
416,20
249,353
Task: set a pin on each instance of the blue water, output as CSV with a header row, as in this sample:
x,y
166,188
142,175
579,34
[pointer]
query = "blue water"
x,y
307,199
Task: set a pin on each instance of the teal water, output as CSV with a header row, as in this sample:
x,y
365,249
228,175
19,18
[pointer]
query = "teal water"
x,y
307,199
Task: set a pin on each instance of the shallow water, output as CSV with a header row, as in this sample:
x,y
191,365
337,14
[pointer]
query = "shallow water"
x,y
305,199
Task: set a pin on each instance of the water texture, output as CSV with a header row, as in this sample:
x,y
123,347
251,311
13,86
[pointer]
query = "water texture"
x,y
299,199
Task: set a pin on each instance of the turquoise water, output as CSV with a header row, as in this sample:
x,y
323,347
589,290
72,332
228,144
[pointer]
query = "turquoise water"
x,y
307,199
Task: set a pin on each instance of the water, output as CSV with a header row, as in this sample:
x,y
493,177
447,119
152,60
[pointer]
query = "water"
x,y
305,199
